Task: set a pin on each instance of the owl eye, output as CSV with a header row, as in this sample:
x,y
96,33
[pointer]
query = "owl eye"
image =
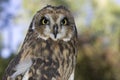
x,y
44,21
64,21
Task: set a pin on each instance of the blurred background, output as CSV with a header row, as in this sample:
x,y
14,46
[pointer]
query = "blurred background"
x,y
98,24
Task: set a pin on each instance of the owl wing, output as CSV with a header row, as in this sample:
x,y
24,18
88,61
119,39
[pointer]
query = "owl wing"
x,y
10,69
22,62
17,67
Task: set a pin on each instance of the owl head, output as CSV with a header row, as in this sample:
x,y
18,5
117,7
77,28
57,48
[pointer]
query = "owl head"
x,y
53,22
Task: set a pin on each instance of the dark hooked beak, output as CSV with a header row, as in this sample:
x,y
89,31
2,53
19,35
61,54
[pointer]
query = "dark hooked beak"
x,y
55,30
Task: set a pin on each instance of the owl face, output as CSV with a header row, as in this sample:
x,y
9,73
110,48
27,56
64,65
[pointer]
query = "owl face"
x,y
56,23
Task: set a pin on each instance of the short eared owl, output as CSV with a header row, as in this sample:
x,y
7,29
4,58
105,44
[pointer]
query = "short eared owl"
x,y
49,49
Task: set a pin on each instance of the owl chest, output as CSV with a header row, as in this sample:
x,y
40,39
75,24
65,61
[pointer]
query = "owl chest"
x,y
54,50
53,62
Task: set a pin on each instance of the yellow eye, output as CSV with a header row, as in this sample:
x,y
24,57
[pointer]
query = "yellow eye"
x,y
44,21
64,21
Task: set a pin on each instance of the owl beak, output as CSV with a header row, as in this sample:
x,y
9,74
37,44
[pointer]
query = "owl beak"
x,y
55,30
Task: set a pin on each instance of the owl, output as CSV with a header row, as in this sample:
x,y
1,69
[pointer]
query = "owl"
x,y
49,49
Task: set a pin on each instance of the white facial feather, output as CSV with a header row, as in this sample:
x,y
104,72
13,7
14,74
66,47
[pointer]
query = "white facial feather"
x,y
22,67
60,35
50,18
47,31
68,37
42,37
59,19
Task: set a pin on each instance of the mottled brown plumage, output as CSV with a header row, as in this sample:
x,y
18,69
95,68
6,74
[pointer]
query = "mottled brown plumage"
x,y
49,49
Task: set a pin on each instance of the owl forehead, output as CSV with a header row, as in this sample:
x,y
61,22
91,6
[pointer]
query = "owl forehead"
x,y
55,14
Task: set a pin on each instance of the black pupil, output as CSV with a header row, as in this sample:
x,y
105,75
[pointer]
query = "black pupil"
x,y
45,20
63,21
